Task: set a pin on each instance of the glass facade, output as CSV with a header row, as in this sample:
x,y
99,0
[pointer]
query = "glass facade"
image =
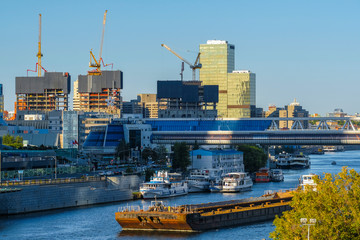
x,y
236,88
1,99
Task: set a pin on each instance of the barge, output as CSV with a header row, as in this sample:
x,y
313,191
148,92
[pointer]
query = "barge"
x,y
206,216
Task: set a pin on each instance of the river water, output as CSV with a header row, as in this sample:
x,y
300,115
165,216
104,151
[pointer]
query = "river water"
x,y
98,222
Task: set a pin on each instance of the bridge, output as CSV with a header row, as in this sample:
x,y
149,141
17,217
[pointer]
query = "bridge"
x,y
318,133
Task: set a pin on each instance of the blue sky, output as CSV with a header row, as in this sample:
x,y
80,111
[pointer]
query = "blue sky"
x,y
308,50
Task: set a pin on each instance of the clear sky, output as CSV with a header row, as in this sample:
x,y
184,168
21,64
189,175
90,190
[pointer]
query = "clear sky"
x,y
308,50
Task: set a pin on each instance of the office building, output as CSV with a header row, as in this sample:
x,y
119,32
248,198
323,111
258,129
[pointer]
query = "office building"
x,y
293,110
1,99
149,105
237,89
76,98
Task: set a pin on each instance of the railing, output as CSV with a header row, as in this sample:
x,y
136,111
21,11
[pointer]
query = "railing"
x,y
52,181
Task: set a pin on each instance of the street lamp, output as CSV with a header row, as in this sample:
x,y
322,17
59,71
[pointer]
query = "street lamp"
x,y
312,222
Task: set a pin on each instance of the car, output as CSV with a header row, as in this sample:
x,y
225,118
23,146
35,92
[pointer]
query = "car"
x,y
109,173
102,173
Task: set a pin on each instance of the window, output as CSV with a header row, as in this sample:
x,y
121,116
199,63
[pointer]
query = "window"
x,y
198,156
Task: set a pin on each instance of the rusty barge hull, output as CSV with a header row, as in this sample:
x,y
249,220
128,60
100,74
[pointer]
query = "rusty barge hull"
x,y
201,217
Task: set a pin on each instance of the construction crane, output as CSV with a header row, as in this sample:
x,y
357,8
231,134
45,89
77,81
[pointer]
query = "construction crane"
x,y
38,66
194,66
94,63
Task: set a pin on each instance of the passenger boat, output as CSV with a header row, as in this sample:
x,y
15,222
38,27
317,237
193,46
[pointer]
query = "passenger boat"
x,y
282,160
163,185
276,175
263,175
198,181
215,185
299,161
201,217
236,182
307,180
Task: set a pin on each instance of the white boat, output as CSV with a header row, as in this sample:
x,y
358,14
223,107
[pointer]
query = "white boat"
x,y
163,185
215,185
198,181
299,161
276,175
308,180
282,160
236,182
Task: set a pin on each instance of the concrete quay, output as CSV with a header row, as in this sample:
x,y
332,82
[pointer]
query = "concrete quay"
x,y
41,197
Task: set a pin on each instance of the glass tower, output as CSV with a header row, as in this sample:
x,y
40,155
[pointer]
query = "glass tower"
x,y
236,88
1,99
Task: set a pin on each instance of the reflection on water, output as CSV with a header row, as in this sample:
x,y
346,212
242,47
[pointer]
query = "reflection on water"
x,y
98,222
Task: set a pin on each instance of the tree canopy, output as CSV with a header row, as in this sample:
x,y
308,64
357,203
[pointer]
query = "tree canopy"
x,y
254,157
181,159
335,205
16,142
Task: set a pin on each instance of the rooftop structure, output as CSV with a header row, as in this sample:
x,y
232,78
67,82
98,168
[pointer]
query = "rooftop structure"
x,y
101,93
45,93
186,99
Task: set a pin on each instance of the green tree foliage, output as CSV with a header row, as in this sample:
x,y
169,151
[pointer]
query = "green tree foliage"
x,y
148,153
148,174
122,150
181,159
11,141
335,205
196,146
161,154
254,157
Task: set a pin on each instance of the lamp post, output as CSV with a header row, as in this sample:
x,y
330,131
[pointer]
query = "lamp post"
x,y
312,222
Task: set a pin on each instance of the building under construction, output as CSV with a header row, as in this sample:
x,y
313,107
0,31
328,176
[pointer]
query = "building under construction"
x,y
101,93
186,99
44,93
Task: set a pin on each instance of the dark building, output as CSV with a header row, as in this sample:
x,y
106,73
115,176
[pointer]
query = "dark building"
x,y
101,93
46,93
186,99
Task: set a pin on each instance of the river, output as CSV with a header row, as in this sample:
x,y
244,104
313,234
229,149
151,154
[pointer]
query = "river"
x,y
98,222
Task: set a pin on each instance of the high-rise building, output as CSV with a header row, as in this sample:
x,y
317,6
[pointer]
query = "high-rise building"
x,y
293,110
1,99
237,89
76,98
45,93
149,105
101,93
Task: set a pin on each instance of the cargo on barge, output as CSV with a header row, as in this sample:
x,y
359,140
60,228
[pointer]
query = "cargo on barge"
x,y
201,217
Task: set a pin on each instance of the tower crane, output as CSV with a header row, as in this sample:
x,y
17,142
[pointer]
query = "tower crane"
x,y
196,65
39,54
94,63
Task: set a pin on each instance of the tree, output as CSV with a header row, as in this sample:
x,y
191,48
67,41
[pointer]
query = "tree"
x,y
181,159
335,205
254,157
196,146
122,150
148,153
161,154
9,140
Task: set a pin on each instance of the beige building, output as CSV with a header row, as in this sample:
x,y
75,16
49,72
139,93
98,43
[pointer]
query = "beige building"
x,y
237,89
76,98
149,105
293,110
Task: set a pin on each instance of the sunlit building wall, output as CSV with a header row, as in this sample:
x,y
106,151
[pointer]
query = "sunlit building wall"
x,y
236,88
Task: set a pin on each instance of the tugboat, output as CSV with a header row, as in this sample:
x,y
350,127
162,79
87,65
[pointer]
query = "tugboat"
x,y
163,185
236,182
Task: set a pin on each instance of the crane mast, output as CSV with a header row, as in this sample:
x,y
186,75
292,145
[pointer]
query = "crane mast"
x,y
194,66
97,63
39,54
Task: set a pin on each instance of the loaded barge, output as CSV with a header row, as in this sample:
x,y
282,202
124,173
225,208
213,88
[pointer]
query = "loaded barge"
x,y
201,217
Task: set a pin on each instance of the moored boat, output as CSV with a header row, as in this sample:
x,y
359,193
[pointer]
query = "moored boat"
x,y
276,175
282,160
163,185
201,217
198,181
236,182
263,175
299,161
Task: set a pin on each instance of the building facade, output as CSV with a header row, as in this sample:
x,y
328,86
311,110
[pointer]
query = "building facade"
x,y
76,98
293,110
1,99
237,89
149,105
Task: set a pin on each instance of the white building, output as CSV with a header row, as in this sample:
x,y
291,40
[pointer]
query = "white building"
x,y
217,162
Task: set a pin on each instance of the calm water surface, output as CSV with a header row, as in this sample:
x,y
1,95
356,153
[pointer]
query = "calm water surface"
x,y
98,222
